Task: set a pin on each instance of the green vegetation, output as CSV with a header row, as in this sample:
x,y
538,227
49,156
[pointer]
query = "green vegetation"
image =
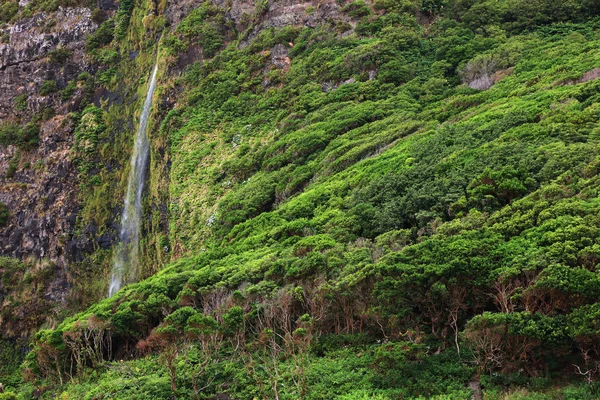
x,y
394,212
11,356
11,12
90,126
13,165
357,9
8,9
122,17
48,87
23,310
3,215
25,137
21,102
60,55
102,36
205,26
67,93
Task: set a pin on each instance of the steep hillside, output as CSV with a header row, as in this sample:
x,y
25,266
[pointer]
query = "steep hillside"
x,y
349,200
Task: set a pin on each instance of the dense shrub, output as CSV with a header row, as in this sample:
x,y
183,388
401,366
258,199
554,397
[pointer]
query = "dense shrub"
x,y
60,55
357,9
24,137
48,87
68,91
122,17
21,102
517,15
8,10
102,36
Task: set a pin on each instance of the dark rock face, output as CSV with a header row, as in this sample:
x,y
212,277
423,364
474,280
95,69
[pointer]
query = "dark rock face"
x,y
24,61
279,56
41,196
42,199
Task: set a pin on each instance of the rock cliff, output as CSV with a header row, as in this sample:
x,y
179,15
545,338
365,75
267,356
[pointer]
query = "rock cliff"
x,y
41,58
38,184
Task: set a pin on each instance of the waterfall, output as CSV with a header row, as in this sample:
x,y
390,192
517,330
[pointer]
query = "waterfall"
x,y
125,266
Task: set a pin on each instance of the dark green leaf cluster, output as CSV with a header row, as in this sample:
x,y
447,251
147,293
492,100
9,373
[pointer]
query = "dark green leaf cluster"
x,y
102,36
25,137
60,55
48,87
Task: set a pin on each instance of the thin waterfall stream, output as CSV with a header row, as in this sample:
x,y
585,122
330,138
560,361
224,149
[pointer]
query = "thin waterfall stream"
x,y
126,259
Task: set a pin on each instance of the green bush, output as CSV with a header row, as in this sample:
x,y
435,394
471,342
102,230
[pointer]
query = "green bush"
x,y
30,136
394,72
21,102
24,137
48,113
48,87
87,136
101,36
357,9
8,10
60,55
67,93
122,17
517,15
10,134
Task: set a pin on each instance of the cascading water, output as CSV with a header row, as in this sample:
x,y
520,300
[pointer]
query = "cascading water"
x,y
125,266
